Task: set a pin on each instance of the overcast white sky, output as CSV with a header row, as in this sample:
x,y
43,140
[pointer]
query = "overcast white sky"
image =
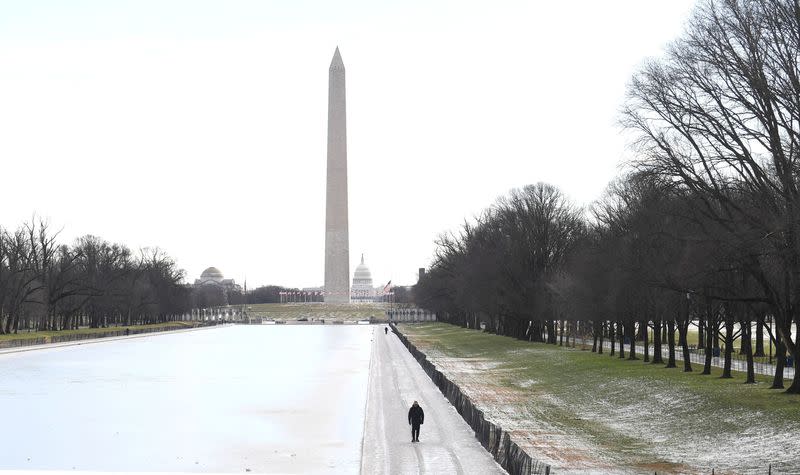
x,y
200,126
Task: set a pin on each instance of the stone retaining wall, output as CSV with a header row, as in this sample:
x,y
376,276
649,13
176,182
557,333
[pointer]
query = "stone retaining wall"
x,y
493,438
85,336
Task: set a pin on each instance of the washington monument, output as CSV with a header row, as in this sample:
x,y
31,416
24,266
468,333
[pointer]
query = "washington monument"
x,y
337,242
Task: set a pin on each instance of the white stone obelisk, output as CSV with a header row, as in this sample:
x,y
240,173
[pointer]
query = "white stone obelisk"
x,y
337,242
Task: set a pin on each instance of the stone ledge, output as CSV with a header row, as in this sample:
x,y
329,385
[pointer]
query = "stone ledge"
x,y
69,337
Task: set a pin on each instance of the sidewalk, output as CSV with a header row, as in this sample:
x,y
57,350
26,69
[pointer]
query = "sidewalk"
x,y
765,369
447,444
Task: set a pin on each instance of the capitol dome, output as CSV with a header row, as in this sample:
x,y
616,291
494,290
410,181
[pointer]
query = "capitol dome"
x,y
362,290
362,274
211,274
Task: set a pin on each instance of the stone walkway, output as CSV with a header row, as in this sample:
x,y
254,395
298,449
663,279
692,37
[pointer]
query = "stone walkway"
x,y
447,444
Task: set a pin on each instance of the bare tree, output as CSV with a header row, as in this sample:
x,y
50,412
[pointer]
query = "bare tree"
x,y
720,114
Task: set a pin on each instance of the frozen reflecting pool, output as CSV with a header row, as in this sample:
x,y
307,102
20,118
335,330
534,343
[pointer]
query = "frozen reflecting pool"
x,y
265,398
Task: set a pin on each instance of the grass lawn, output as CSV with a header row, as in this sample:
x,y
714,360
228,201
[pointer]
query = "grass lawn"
x,y
581,411
318,310
87,331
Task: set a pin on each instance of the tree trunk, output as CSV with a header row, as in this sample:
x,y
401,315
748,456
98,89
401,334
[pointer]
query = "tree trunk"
x,y
632,348
683,338
621,330
780,362
15,326
700,332
657,358
759,336
573,330
611,335
794,388
709,334
602,334
645,326
747,348
726,370
671,343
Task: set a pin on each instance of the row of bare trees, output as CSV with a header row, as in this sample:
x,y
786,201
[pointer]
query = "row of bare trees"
x,y
45,285
263,294
703,230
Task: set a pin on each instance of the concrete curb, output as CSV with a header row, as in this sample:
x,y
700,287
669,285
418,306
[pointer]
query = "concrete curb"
x,y
493,438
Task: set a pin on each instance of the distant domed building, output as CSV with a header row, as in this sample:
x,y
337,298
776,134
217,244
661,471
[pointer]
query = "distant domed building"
x,y
213,276
362,290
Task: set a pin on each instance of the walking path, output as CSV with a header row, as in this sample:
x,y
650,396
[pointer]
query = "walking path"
x,y
766,369
447,444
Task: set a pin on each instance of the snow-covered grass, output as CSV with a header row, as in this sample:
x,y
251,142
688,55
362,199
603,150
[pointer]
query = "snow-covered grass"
x,y
582,411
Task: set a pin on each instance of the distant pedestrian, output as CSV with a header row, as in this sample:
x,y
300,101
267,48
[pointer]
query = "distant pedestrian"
x,y
416,417
385,330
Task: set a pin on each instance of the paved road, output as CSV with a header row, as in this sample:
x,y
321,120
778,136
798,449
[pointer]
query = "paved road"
x,y
447,444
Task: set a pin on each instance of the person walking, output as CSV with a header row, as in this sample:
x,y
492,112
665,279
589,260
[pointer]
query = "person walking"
x,y
385,330
416,417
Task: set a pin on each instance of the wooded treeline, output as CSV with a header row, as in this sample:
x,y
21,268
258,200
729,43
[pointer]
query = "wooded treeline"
x,y
262,294
45,285
702,230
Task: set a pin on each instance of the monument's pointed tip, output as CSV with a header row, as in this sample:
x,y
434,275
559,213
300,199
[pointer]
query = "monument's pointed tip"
x,y
336,62
362,258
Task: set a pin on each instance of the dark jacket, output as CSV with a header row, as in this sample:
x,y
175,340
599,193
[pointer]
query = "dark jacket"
x,y
416,416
